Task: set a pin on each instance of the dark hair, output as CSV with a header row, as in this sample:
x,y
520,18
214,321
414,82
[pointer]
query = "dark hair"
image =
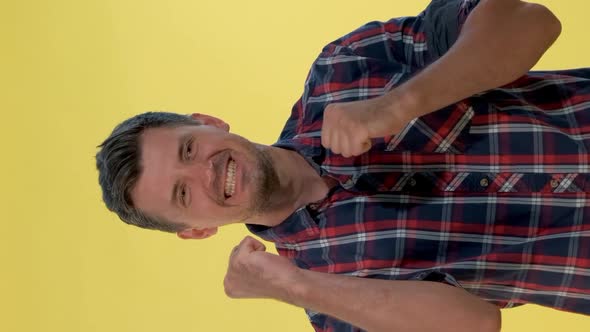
x,y
119,167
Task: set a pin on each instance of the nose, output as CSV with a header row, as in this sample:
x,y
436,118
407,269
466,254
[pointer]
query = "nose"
x,y
200,173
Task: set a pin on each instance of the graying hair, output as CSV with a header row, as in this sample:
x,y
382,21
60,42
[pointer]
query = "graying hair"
x,y
119,167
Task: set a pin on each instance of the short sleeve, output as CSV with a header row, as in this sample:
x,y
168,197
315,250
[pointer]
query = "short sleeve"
x,y
399,40
325,323
442,23
377,58
437,276
505,304
411,41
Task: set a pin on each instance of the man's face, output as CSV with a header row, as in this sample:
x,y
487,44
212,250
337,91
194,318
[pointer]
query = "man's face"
x,y
202,176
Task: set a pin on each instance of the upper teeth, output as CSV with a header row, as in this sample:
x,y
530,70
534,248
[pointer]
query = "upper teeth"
x,y
230,178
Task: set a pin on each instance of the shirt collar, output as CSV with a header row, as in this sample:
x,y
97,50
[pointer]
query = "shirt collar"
x,y
298,227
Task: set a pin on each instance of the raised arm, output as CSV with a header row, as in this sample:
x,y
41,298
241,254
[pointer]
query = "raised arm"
x,y
373,305
499,41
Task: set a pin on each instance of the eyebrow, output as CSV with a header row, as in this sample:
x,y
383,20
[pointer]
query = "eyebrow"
x,y
174,199
181,143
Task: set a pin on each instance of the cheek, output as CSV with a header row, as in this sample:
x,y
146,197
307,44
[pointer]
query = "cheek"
x,y
204,210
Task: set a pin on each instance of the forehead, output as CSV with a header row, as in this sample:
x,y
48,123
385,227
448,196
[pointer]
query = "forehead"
x,y
154,138
159,151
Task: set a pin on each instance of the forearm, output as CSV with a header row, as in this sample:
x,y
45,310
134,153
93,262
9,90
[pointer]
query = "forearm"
x,y
403,306
500,41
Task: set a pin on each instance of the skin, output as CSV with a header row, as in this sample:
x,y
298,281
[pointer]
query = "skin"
x,y
478,61
270,182
475,63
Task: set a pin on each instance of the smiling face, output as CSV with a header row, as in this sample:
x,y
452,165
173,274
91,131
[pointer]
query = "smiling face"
x,y
203,177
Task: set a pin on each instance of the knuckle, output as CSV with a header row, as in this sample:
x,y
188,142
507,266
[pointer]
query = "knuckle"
x,y
230,293
249,241
240,265
229,288
232,266
226,285
236,264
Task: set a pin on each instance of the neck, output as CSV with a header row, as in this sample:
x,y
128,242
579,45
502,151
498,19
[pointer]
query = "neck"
x,y
300,185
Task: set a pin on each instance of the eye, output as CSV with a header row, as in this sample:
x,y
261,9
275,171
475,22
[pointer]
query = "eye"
x,y
183,195
189,150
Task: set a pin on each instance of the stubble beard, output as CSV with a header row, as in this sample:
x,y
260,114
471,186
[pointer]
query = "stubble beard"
x,y
270,195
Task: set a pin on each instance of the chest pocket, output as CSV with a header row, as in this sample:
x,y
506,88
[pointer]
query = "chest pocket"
x,y
443,131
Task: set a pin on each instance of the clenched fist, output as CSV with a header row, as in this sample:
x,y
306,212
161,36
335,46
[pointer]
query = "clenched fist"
x,y
254,273
348,127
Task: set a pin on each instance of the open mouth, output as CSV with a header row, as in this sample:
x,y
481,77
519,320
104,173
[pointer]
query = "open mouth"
x,y
230,179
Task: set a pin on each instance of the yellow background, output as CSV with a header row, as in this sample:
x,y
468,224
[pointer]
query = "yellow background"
x,y
72,69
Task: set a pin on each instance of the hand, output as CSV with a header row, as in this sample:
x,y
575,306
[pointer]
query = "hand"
x,y
254,273
348,127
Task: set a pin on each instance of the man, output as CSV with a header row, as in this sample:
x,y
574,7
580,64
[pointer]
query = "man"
x,y
407,192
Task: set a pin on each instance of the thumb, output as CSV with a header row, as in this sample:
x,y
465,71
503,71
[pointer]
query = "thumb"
x,y
250,244
366,145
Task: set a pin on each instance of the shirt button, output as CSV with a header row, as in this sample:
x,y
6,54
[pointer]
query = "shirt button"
x,y
412,182
554,183
484,182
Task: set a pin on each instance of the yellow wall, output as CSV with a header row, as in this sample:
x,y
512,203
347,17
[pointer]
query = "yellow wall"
x,y
71,69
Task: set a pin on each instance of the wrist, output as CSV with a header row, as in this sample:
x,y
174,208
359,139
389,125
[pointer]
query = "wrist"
x,y
404,104
289,287
297,288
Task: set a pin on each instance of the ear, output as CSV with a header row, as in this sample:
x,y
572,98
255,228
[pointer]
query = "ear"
x,y
193,233
209,120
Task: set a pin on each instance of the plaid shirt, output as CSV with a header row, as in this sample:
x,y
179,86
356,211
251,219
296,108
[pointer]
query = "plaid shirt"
x,y
490,194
